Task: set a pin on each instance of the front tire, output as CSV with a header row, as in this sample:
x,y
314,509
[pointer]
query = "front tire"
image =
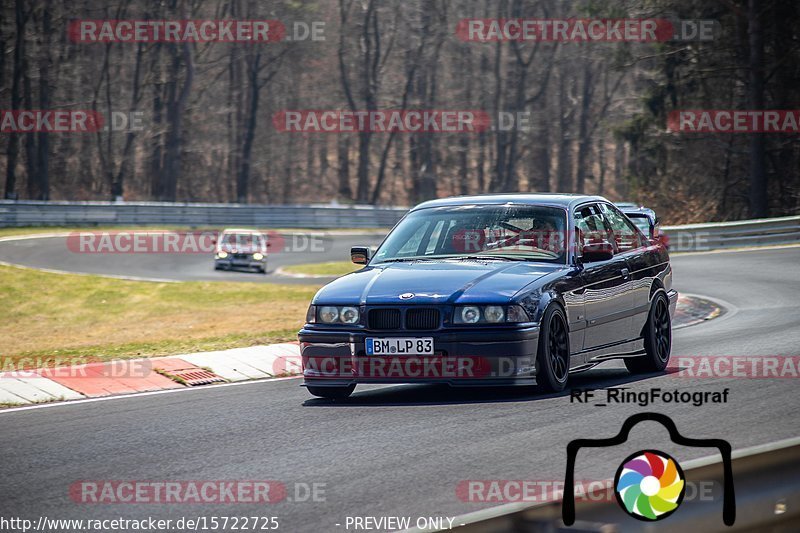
x,y
332,393
657,339
553,357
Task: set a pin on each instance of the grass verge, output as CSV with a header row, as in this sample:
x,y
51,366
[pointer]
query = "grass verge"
x,y
332,268
61,316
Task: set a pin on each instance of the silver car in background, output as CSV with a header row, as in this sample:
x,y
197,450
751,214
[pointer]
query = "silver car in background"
x,y
241,248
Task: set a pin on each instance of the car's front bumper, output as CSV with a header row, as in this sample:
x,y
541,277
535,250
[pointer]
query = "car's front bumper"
x,y
248,262
462,357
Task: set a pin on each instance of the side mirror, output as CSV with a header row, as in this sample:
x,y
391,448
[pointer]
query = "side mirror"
x,y
360,255
597,251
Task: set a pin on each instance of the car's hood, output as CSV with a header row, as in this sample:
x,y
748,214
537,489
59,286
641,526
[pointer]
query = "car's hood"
x,y
434,282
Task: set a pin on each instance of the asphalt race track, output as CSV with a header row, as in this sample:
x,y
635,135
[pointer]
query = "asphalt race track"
x,y
402,450
300,248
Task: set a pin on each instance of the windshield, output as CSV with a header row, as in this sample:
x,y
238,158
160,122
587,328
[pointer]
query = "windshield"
x,y
499,232
242,240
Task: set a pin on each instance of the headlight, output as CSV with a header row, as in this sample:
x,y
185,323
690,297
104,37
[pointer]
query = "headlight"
x,y
490,314
349,315
494,313
258,256
222,255
470,314
517,314
329,314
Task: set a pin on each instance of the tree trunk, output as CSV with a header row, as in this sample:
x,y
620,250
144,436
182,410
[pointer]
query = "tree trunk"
x,y
16,98
758,180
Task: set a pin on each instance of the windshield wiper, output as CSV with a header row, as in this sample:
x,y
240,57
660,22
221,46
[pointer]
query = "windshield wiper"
x,y
487,256
408,259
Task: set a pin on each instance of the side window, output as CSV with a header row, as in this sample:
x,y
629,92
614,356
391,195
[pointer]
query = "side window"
x,y
589,226
626,235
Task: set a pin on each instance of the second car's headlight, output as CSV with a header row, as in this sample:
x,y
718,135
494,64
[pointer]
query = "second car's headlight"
x,y
222,255
258,256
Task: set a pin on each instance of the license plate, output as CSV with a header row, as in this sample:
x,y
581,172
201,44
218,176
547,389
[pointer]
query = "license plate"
x,y
400,346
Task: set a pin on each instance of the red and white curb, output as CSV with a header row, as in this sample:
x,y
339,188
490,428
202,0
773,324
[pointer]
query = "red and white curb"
x,y
93,380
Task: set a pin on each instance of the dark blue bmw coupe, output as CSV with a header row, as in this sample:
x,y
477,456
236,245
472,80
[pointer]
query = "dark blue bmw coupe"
x,y
513,289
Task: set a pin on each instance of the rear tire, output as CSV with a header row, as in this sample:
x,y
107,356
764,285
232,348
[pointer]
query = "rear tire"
x,y
333,393
552,359
657,339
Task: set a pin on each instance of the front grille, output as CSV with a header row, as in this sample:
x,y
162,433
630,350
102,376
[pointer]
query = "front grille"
x,y
422,319
384,319
240,256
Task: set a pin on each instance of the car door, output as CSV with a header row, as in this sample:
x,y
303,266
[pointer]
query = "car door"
x,y
607,292
642,258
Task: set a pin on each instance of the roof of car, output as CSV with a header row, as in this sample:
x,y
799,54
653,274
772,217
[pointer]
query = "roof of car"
x,y
240,230
636,209
544,199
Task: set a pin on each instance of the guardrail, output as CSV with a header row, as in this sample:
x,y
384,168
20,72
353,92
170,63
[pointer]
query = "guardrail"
x,y
692,237
767,486
721,235
38,213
